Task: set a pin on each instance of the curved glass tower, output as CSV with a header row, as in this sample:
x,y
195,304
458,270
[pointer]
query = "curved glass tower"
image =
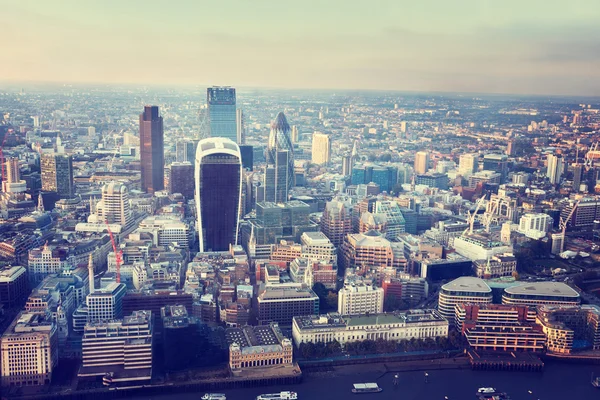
x,y
280,154
218,193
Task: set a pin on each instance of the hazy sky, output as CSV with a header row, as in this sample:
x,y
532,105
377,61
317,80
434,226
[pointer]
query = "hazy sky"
x,y
505,46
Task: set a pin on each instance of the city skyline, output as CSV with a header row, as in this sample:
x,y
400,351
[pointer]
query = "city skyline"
x,y
469,47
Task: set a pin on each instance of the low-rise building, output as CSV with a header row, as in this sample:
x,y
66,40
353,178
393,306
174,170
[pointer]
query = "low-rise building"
x,y
281,302
563,325
359,296
463,290
496,266
258,346
541,293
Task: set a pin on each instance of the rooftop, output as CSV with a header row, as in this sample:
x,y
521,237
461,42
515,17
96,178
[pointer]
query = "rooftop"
x,y
467,284
558,289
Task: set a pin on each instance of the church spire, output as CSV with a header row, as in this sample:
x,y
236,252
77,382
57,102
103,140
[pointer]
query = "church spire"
x,y
40,204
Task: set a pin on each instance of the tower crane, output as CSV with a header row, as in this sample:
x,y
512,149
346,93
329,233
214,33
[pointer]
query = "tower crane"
x,y
472,215
562,224
118,254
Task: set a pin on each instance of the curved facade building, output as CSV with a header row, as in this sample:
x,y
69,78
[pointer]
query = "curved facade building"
x,y
280,154
218,193
463,290
535,294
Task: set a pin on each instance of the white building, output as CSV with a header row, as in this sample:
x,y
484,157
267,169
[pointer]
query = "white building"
x,y
106,304
44,262
535,225
418,324
321,148
479,247
317,247
468,164
556,167
359,296
114,207
29,350
421,162
166,230
465,289
541,293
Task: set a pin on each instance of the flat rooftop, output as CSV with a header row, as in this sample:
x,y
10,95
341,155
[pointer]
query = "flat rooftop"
x,y
558,289
467,284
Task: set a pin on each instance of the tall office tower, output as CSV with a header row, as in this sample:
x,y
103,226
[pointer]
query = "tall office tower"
x,y
468,164
247,153
115,206
218,193
511,147
556,167
13,183
336,221
577,177
185,150
280,154
321,148
421,162
347,165
295,134
106,303
57,174
497,163
152,155
403,128
222,121
182,179
241,126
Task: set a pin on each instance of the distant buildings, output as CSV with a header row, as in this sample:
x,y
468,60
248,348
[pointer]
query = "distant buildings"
x,y
321,148
435,180
463,290
359,296
218,193
421,162
497,163
468,164
152,156
221,102
397,326
57,174
555,169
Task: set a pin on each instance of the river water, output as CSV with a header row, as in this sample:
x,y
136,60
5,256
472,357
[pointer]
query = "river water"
x,y
557,382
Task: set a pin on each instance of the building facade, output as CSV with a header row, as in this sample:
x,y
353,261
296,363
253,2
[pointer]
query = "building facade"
x,y
359,296
281,302
258,346
462,290
221,102
152,157
321,148
535,294
57,174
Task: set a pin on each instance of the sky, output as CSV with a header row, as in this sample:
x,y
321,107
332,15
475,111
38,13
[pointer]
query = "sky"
x,y
481,46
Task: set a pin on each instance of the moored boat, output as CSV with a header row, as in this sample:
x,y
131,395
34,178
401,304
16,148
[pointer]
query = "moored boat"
x,y
214,396
278,396
366,388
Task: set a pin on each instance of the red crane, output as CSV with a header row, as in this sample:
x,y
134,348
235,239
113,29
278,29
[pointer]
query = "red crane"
x,y
118,254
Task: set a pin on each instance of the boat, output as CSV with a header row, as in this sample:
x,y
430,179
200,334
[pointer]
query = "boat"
x,y
489,393
596,382
214,396
366,388
486,390
278,396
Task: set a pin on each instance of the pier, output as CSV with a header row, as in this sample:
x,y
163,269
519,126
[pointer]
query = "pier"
x,y
505,361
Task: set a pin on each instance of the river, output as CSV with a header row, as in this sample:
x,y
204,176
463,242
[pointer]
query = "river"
x,y
557,382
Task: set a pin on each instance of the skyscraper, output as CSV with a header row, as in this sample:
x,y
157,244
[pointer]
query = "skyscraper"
x,y
497,163
421,162
347,165
182,179
321,148
280,154
241,126
577,177
295,134
13,183
222,112
114,206
555,169
185,150
218,193
57,174
152,155
468,164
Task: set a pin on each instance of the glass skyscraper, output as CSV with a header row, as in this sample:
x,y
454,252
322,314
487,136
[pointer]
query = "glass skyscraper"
x,y
280,154
152,156
222,112
218,193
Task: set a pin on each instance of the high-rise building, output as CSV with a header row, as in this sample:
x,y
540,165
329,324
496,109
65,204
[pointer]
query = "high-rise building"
x,y
468,164
321,148
347,165
182,179
218,193
247,153
57,174
336,221
577,177
13,183
295,134
241,127
421,162
497,163
115,205
106,304
29,350
280,154
555,168
222,112
359,296
152,157
185,150
14,286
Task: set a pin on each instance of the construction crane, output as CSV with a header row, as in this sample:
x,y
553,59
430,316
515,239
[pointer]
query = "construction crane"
x,y
562,225
471,216
118,254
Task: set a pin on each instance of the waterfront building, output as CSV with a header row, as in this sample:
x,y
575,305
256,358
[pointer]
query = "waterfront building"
x,y
496,266
462,290
280,302
218,193
563,325
29,350
359,296
57,174
152,157
541,293
222,113
321,148
258,346
397,326
14,285
121,349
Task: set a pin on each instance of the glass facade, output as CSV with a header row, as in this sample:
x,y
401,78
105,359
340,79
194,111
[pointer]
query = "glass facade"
x,y
280,154
152,157
222,112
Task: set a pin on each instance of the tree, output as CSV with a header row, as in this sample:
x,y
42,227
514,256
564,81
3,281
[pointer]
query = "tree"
x,y
332,300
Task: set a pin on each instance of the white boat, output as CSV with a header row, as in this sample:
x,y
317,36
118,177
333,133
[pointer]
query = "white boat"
x,y
278,396
214,396
486,390
366,388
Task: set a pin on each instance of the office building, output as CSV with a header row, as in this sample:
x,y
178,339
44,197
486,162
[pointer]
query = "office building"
x,y
185,150
395,224
317,247
152,157
397,326
347,165
181,179
578,178
13,182
497,163
166,230
359,296
336,221
106,304
468,164
247,153
483,177
281,302
118,350
496,266
222,113
371,251
321,148
280,155
535,225
462,290
241,127
555,168
45,261
258,346
14,286
407,289
565,326
218,193
421,162
384,177
115,206
535,294
587,211
435,180
478,246
57,174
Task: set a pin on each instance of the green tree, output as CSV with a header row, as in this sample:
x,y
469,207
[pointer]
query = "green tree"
x,y
332,300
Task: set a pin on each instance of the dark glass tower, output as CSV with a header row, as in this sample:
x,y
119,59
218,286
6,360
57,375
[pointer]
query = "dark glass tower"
x,y
152,155
57,174
222,113
218,193
280,154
